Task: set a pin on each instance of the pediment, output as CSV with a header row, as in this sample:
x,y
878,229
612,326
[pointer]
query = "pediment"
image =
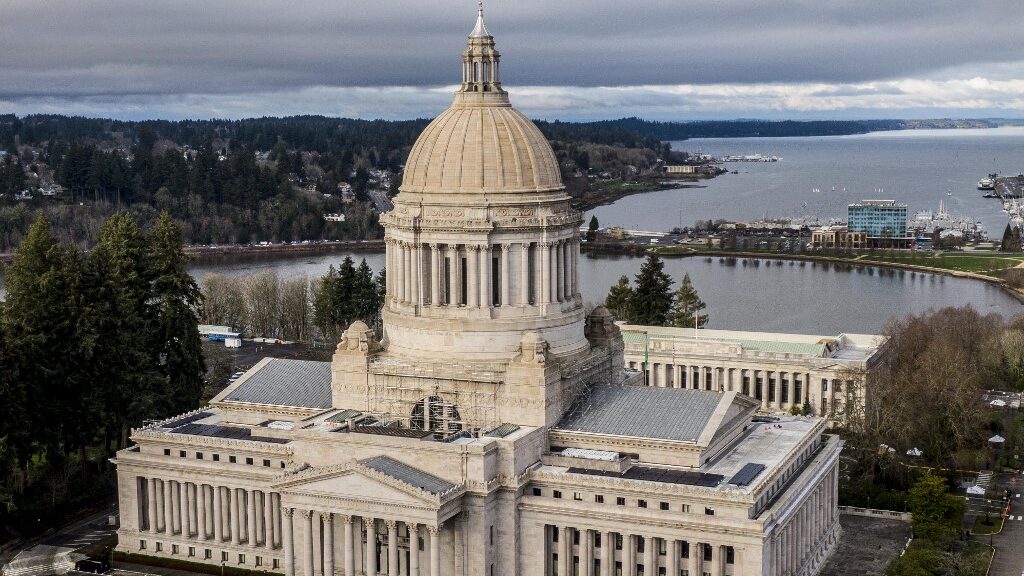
x,y
353,481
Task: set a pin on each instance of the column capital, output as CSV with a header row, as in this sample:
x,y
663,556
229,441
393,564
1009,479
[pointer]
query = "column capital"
x,y
327,516
412,527
505,247
434,530
474,247
546,244
391,524
306,514
435,247
345,518
287,512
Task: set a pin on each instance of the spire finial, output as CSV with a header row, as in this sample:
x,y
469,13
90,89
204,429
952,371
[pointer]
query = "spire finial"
x,y
480,30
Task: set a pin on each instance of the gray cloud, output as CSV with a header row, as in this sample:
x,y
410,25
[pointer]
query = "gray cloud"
x,y
72,52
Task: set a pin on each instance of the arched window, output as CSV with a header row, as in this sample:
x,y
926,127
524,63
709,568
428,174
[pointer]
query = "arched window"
x,y
437,415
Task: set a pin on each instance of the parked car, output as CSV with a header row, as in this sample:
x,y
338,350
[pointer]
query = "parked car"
x,y
92,566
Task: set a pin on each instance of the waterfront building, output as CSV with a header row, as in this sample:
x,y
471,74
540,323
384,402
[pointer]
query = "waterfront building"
x,y
883,221
838,237
824,375
681,169
491,429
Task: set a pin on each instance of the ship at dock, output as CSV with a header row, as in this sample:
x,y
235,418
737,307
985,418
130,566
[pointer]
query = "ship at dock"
x,y
927,222
751,158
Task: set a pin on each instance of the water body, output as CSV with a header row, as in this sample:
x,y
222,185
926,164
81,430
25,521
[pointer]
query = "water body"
x,y
917,167
768,295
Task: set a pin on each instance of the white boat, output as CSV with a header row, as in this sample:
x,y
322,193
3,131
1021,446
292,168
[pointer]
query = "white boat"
x,y
986,184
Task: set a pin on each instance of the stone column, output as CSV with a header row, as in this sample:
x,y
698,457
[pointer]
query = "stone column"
x,y
453,275
288,541
307,542
175,494
628,555
389,264
201,517
350,549
565,551
151,504
168,508
587,553
558,276
717,560
414,549
567,270
693,566
267,521
236,524
485,276
607,553
649,555
435,276
435,550
524,274
576,273
395,272
472,276
218,516
328,522
275,524
544,253
505,251
371,546
186,510
250,517
408,274
673,557
392,547
417,274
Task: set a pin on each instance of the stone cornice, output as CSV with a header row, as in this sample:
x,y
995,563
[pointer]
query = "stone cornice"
x,y
726,495
192,441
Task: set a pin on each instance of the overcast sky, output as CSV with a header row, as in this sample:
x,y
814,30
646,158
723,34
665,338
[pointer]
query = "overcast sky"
x,y
569,59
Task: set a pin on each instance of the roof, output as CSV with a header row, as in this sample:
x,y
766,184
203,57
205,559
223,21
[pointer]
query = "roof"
x,y
642,412
480,30
230,432
281,382
408,474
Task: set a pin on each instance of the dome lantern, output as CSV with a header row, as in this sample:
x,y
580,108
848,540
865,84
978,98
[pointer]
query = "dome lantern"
x,y
480,61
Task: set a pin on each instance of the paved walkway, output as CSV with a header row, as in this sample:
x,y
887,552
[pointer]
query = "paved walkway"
x,y
1009,560
866,546
58,552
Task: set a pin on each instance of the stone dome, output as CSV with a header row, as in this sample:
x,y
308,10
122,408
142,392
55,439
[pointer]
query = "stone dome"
x,y
481,144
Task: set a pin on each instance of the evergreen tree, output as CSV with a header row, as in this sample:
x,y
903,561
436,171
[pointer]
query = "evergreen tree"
x,y
1007,243
45,350
651,302
176,299
364,295
617,301
592,229
687,305
122,327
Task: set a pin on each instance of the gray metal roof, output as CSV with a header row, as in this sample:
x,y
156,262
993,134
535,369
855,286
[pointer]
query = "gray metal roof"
x,y
281,382
642,412
408,474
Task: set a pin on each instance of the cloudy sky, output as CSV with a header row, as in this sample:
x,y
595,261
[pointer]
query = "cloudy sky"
x,y
568,59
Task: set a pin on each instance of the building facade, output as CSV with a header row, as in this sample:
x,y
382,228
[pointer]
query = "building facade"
x,y
821,375
838,237
491,428
880,220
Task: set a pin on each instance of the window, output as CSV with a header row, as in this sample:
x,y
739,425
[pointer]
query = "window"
x,y
664,506
618,541
824,385
620,501
597,539
142,544
159,547
599,498
232,459
224,556
538,492
577,496
709,511
216,457
259,561
492,534
191,552
207,554
174,548
282,463
266,463
248,461
556,494
182,453
685,508
199,455
640,545
575,536
730,555
275,563
241,558
554,533
641,503
167,451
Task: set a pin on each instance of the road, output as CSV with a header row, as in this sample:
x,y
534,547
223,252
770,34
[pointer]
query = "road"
x,y
381,200
56,551
1009,560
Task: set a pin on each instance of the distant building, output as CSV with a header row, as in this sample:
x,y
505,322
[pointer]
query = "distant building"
x,y
883,221
682,169
838,237
780,371
334,217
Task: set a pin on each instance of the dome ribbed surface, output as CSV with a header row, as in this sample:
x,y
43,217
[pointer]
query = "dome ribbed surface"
x,y
474,149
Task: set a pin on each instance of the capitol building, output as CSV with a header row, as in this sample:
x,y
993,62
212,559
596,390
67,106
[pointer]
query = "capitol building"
x,y
491,428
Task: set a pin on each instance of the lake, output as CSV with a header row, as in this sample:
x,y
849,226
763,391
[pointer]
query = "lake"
x,y
764,294
917,167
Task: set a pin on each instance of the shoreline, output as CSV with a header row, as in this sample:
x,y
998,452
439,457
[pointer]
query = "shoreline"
x,y
207,255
